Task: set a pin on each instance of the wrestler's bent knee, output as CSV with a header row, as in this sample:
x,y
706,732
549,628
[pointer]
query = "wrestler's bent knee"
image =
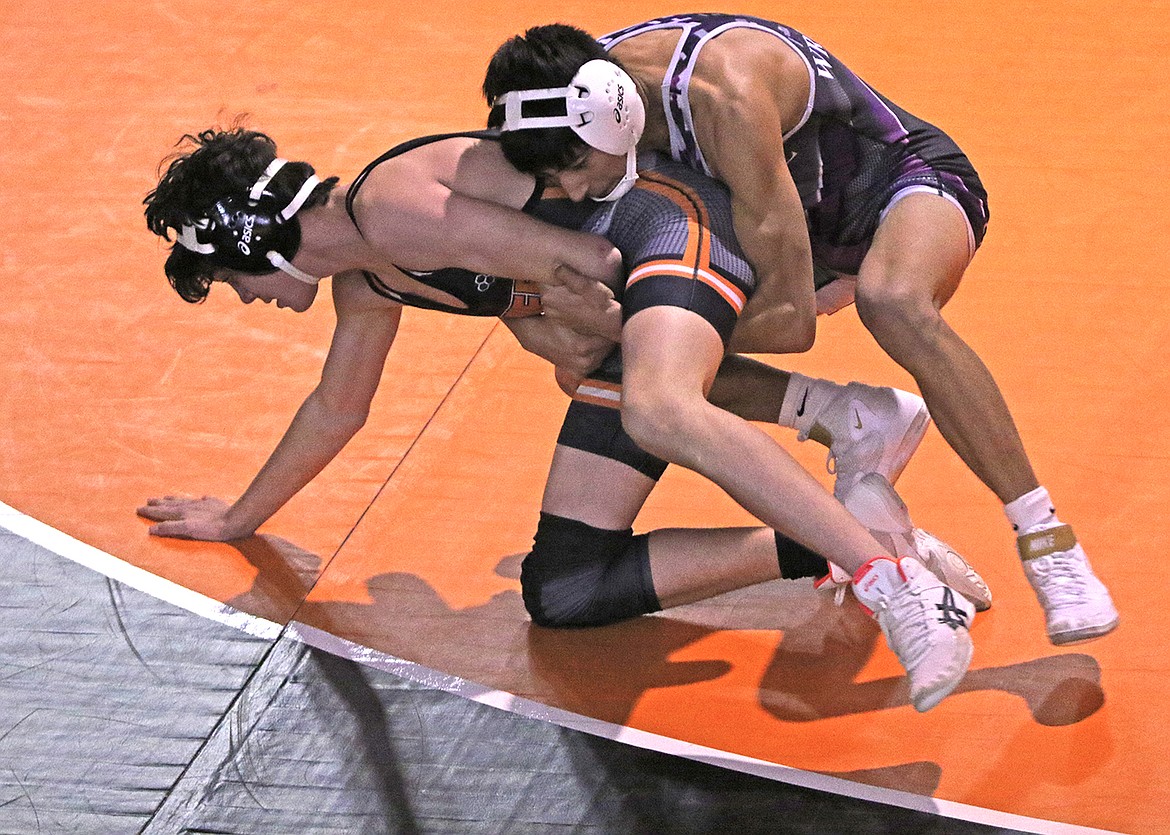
x,y
900,315
655,423
578,575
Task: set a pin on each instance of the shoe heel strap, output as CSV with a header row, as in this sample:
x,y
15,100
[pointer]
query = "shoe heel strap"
x,y
1048,541
859,581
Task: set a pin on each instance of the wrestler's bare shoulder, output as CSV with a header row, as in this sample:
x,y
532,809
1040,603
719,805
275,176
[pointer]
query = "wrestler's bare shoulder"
x,y
738,68
401,174
742,66
648,54
746,52
467,165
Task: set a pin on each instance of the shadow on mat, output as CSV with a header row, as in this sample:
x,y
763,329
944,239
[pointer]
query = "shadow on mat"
x,y
374,747
285,573
605,671
601,672
814,675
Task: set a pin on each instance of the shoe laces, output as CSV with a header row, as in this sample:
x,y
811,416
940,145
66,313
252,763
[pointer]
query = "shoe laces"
x,y
837,579
863,453
830,458
1064,576
909,629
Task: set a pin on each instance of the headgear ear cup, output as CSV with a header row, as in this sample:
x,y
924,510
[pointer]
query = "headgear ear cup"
x,y
252,234
609,112
602,106
287,214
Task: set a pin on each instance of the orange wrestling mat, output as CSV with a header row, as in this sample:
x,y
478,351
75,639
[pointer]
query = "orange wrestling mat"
x,y
115,390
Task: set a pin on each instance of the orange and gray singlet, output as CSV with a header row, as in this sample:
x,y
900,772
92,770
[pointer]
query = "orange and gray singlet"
x,y
853,154
678,246
675,234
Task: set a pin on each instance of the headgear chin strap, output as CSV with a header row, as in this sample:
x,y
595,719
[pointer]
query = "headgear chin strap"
x,y
252,234
602,106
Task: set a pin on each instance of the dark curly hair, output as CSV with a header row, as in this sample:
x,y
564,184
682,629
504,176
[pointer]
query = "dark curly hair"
x,y
207,167
544,56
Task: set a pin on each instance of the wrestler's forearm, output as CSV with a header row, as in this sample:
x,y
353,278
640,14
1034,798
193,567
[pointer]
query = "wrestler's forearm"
x,y
485,237
769,220
781,316
314,438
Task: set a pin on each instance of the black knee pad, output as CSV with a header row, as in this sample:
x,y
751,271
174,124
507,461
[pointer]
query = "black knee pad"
x,y
579,575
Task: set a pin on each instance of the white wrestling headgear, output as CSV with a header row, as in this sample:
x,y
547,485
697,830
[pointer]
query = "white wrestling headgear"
x,y
602,106
255,233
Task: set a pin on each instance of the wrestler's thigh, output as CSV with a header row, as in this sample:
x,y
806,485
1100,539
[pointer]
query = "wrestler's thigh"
x,y
670,347
593,489
919,252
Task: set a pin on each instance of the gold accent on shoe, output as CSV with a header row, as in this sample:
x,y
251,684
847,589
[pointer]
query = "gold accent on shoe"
x,y
1045,542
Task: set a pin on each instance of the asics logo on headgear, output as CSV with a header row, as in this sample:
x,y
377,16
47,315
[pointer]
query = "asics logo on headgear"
x,y
621,102
246,236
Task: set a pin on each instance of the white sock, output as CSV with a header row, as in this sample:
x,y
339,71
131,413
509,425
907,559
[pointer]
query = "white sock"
x,y
804,399
1032,511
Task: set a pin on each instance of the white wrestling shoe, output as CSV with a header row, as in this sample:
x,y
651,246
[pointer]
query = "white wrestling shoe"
x,y
869,429
877,505
1077,606
925,623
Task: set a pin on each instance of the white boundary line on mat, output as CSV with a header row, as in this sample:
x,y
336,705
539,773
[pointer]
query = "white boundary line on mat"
x,y
66,546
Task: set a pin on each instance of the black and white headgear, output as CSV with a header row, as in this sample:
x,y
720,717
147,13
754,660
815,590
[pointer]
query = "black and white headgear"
x,y
253,233
602,106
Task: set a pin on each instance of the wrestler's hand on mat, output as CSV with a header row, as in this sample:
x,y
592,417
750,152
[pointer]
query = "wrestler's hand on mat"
x,y
183,517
